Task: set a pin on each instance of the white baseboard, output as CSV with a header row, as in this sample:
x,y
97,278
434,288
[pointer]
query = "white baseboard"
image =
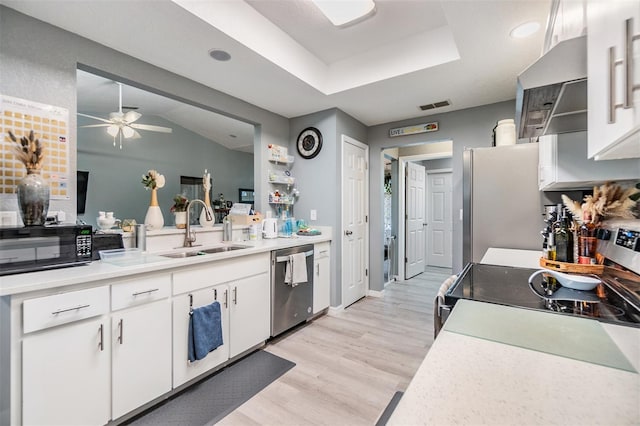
x,y
375,293
334,310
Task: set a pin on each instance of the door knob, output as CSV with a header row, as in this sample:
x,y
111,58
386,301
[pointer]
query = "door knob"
x,y
348,232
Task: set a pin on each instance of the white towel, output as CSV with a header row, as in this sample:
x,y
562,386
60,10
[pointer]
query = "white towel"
x,y
296,270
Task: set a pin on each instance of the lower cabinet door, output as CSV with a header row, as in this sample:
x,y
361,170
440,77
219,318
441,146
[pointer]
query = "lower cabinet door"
x,y
321,284
183,370
250,312
65,375
141,355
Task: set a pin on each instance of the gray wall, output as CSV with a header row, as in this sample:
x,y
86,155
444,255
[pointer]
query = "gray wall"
x,y
115,174
318,179
440,163
38,62
470,127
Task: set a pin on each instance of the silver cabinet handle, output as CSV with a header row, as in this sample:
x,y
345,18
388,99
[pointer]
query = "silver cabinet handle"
x,y
145,292
235,295
318,269
226,298
629,38
101,342
348,232
121,331
612,85
60,311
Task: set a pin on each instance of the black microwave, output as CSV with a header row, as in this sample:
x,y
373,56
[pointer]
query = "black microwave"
x,y
34,248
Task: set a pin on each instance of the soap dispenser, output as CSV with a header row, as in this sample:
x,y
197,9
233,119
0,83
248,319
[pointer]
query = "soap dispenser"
x,y
227,229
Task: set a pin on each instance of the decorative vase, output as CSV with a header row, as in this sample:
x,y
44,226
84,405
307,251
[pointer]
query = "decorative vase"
x,y
154,219
33,198
203,215
180,219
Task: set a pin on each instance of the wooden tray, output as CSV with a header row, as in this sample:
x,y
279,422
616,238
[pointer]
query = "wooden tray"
x,y
577,268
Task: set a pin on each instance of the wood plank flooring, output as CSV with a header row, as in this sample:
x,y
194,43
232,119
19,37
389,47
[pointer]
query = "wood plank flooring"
x,y
349,365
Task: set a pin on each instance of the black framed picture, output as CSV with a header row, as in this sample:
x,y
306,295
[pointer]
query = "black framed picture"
x,y
245,195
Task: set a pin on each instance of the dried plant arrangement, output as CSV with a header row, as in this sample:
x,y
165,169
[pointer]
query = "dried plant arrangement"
x,y
609,200
29,151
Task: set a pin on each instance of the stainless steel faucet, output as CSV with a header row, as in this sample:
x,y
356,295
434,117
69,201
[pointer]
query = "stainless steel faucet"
x,y
189,237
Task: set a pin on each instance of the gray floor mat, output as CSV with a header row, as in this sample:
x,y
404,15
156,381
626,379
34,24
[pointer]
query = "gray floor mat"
x,y
210,400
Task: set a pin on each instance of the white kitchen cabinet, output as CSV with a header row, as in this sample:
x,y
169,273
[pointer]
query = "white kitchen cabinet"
x,y
249,312
140,341
183,370
563,164
614,132
65,375
65,358
322,278
141,355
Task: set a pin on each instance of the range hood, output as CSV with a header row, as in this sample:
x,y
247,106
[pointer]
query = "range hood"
x,y
551,95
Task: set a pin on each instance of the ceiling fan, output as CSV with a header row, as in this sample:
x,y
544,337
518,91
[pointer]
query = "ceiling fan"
x,y
121,124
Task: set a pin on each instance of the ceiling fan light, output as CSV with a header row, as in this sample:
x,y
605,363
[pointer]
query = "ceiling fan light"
x,y
128,132
343,12
113,130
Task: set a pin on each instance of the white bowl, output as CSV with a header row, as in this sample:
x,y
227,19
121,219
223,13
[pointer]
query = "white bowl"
x,y
105,222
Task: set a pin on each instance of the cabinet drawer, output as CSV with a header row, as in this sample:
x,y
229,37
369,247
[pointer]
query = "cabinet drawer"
x,y
49,311
219,272
140,290
321,250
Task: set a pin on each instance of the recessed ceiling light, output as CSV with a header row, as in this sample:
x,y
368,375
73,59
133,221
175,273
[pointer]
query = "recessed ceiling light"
x,y
219,55
525,30
341,13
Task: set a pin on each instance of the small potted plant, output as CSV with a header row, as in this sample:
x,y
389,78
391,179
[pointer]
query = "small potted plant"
x,y
179,210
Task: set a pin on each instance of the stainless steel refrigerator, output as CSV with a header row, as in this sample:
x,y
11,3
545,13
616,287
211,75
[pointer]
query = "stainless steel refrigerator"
x,y
502,206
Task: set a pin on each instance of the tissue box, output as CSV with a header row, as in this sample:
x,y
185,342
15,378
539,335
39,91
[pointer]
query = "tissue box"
x,y
245,219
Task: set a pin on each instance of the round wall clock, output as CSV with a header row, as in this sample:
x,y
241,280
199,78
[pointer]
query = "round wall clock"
x,y
309,142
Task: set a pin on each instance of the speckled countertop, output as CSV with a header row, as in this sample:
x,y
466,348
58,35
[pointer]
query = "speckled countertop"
x,y
470,380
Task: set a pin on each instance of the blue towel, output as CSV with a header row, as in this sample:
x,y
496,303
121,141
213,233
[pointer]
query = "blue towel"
x,y
205,331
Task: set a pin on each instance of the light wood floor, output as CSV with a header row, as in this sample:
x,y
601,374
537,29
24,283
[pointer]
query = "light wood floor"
x,y
349,366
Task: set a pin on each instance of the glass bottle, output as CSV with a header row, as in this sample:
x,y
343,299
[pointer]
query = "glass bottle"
x,y
587,242
563,236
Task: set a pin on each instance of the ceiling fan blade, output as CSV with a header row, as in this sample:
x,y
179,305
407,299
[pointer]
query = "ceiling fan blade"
x,y
152,128
94,117
97,125
131,116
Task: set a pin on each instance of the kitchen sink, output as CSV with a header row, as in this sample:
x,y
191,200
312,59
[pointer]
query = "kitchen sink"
x,y
203,252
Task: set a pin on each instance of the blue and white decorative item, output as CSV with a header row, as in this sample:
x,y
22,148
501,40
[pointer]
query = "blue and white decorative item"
x,y
206,184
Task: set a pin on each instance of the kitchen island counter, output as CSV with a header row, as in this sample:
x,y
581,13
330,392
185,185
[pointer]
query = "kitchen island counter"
x,y
477,376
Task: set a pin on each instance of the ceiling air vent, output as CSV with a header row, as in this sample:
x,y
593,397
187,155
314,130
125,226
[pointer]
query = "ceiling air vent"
x,y
435,105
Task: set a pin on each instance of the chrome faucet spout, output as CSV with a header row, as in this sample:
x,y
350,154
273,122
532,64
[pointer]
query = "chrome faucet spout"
x,y
189,237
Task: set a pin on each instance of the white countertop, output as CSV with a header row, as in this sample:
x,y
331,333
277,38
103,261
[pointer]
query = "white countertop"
x,y
472,380
100,270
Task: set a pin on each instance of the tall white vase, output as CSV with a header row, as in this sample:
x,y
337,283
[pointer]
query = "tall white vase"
x,y
154,219
203,215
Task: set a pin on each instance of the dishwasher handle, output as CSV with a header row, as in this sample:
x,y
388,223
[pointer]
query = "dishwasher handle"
x,y
286,258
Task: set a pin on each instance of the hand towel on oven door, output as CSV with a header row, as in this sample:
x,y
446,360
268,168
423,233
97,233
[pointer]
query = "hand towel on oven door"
x,y
205,331
296,269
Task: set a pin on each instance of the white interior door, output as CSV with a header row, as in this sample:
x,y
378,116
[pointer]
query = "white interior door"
x,y
415,220
355,242
439,220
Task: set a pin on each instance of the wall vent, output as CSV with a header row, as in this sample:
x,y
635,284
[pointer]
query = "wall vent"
x,y
435,105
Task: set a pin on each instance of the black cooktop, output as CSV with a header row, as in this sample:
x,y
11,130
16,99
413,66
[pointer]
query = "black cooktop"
x,y
509,286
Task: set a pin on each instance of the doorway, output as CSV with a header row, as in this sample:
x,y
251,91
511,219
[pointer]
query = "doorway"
x,y
434,155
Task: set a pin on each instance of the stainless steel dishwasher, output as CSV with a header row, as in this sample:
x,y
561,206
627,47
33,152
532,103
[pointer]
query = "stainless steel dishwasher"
x,y
290,304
